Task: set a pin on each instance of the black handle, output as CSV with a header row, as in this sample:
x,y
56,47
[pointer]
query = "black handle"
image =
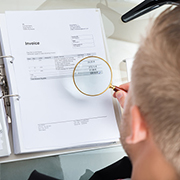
x,y
116,88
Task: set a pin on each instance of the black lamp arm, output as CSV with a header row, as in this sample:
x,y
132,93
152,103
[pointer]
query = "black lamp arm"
x,y
145,7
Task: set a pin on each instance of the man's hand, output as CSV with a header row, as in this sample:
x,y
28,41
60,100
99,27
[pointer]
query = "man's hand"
x,y
121,95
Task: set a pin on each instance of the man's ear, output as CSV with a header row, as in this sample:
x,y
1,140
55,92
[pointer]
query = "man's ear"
x,y
138,128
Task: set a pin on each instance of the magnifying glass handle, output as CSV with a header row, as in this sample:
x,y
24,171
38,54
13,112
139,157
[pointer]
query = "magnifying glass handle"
x,y
116,88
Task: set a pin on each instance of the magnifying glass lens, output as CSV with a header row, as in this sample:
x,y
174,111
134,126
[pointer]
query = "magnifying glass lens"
x,y
92,76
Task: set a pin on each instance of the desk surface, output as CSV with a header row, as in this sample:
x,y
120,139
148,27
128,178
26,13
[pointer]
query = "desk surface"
x,y
121,43
77,166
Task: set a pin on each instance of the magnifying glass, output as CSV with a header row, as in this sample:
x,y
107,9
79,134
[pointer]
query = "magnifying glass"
x,y
92,76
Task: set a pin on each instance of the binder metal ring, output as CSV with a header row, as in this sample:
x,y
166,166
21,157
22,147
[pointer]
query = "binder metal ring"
x,y
10,95
12,58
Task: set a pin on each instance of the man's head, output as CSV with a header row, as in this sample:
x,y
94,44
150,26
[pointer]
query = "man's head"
x,y
154,95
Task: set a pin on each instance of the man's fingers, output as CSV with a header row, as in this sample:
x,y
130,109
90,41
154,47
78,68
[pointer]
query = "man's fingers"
x,y
121,96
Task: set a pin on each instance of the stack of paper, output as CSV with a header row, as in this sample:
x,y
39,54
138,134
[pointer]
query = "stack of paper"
x,y
4,139
51,113
129,64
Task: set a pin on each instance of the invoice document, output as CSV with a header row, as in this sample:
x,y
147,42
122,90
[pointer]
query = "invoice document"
x,y
50,112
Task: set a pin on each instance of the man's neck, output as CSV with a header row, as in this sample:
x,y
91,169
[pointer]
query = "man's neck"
x,y
150,164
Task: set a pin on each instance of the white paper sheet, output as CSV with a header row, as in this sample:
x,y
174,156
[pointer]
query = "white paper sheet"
x,y
51,113
129,64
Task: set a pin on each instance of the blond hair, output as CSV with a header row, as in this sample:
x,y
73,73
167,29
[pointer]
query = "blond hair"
x,y
156,83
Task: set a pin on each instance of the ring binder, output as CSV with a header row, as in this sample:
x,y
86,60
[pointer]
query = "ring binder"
x,y
12,58
41,115
10,95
